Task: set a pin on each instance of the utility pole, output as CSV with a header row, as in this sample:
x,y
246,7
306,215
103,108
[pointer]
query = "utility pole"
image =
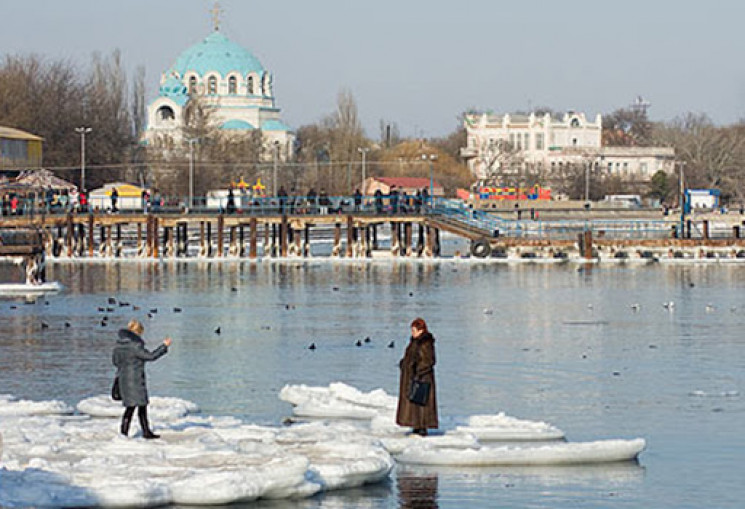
x,y
82,131
364,152
682,199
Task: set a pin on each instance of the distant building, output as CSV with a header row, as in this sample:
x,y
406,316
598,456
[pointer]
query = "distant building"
x,y
232,83
408,185
19,149
512,143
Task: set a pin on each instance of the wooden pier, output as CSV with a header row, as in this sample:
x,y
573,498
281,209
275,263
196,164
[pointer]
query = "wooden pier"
x,y
219,235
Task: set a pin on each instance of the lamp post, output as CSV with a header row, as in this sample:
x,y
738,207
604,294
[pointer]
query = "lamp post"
x,y
432,158
275,157
364,152
82,131
682,198
191,171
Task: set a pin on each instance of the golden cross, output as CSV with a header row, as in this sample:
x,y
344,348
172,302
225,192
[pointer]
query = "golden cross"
x,y
216,15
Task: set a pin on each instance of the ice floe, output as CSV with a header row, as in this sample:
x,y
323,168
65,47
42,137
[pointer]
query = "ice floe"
x,y
52,457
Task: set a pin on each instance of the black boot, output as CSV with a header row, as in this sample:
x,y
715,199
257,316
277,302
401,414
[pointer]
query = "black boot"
x,y
127,420
146,432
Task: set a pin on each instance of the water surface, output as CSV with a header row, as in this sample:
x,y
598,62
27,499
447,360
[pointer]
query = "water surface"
x,y
550,343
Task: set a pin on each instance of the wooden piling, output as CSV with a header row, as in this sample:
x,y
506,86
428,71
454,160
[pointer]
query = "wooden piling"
x,y
69,232
283,236
350,236
407,238
253,236
90,235
306,247
156,247
706,229
220,228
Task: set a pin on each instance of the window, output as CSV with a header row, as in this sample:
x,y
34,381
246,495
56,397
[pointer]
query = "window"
x,y
165,113
232,85
250,85
512,139
644,168
574,141
625,167
575,122
539,141
610,167
212,85
193,85
526,141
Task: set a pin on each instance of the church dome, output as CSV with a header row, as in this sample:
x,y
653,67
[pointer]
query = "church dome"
x,y
217,53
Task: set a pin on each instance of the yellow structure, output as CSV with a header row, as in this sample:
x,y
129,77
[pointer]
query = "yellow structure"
x,y
19,149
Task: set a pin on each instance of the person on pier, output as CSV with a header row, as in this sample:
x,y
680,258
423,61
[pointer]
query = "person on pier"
x,y
418,374
129,357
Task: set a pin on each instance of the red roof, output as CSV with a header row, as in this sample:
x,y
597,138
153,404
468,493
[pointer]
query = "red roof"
x,y
407,182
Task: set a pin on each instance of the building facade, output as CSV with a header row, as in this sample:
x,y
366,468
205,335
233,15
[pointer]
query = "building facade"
x,y
19,149
232,84
504,144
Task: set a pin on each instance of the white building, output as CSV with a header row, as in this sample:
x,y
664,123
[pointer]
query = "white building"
x,y
232,83
509,143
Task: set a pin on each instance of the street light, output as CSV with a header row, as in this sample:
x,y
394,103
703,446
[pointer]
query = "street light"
x,y
191,171
432,158
82,131
364,152
682,199
276,156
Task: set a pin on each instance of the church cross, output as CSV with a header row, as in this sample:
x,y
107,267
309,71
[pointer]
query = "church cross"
x,y
216,15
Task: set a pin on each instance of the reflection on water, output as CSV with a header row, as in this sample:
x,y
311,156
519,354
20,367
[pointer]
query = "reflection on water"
x,y
417,491
503,345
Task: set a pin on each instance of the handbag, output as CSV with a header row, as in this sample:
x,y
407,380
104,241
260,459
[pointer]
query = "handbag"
x,y
419,392
116,393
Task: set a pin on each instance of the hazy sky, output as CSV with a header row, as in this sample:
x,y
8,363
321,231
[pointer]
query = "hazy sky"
x,y
422,62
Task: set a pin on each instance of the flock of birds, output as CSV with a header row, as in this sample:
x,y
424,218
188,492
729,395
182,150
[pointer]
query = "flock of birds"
x,y
113,304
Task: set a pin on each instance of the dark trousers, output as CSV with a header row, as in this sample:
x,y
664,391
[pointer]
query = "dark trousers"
x,y
141,415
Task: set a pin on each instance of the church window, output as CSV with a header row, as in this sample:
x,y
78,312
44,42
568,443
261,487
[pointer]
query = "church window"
x,y
251,85
212,85
539,141
575,122
232,85
193,85
165,113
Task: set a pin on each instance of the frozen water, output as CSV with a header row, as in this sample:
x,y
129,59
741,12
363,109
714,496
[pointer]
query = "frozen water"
x,y
52,458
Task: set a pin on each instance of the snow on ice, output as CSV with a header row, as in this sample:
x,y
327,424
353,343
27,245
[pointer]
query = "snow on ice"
x,y
53,457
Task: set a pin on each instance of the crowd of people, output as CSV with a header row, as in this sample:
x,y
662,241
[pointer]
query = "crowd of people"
x,y
48,201
313,202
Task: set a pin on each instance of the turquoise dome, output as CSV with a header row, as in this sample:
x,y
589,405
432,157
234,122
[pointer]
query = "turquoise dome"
x,y
219,54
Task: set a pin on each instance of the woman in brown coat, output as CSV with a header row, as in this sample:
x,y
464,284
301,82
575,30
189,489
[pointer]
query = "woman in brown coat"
x,y
418,364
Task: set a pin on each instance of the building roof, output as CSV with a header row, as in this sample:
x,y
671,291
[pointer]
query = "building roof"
x,y
10,133
175,90
236,125
408,182
217,53
274,125
43,179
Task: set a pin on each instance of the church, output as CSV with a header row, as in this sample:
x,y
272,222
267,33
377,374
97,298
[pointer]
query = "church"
x,y
232,84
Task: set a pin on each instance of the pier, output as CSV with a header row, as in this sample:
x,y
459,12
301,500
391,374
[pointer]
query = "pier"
x,y
357,234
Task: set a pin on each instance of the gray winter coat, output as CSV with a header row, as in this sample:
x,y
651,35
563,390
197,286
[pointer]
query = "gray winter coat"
x,y
129,357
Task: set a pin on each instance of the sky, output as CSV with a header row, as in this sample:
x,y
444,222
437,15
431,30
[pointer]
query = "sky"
x,y
420,63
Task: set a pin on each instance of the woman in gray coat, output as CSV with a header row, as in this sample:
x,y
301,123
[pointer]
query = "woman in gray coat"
x,y
129,357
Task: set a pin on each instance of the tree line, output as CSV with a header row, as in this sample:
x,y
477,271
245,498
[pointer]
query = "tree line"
x,y
51,98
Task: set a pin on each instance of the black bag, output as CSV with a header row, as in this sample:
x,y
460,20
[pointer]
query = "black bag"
x,y
419,392
116,394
